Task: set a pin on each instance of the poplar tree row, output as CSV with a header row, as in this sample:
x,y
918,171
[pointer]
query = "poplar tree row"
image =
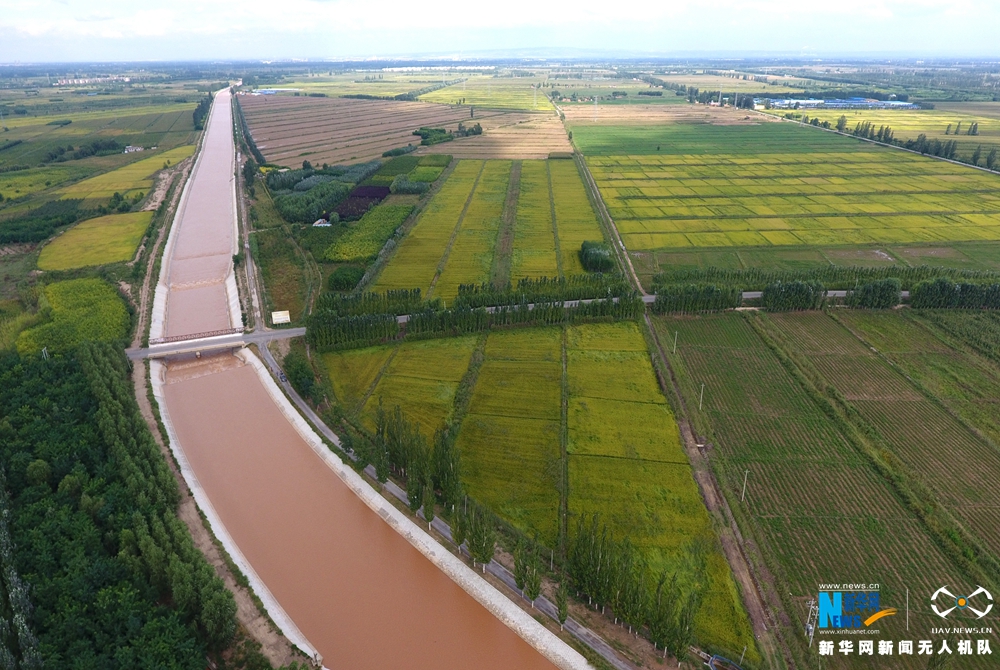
x,y
544,289
691,298
943,293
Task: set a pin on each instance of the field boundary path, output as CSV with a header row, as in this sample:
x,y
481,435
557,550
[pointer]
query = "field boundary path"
x,y
504,249
616,239
732,542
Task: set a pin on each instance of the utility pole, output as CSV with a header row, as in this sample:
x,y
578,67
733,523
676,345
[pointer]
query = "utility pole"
x,y
811,620
675,341
744,495
701,398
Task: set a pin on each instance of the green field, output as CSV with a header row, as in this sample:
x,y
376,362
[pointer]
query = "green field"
x,y
875,197
921,433
106,239
416,260
134,178
815,504
494,92
510,437
470,257
75,311
689,139
454,239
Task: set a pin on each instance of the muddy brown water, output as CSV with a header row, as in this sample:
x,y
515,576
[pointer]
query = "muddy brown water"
x,y
201,258
358,591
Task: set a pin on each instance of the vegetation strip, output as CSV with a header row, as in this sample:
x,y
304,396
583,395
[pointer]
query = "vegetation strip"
x,y
500,274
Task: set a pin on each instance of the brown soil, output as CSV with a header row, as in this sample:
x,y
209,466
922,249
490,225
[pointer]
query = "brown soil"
x,y
336,130
583,115
343,575
531,138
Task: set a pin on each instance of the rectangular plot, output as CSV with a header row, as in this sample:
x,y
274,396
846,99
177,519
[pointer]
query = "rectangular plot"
x,y
530,389
513,465
352,372
534,239
576,221
599,427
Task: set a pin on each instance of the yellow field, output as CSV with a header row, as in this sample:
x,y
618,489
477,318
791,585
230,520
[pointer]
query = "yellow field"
x,y
495,92
129,180
106,239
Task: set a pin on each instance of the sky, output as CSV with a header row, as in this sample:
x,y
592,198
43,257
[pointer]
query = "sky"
x,y
152,30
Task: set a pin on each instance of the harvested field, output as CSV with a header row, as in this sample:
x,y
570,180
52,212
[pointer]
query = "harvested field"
x,y
289,130
651,115
519,136
495,92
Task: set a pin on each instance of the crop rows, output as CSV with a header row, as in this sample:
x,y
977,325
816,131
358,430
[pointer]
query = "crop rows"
x,y
627,464
422,379
815,504
471,255
416,260
959,466
510,437
534,240
576,221
790,199
81,310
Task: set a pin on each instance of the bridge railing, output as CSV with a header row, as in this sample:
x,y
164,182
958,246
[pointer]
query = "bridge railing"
x,y
195,336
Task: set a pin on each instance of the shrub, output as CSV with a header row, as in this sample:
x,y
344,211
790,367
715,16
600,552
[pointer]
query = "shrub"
x,y
310,205
436,160
403,186
881,294
344,278
398,152
309,182
80,310
399,166
596,257
791,296
38,224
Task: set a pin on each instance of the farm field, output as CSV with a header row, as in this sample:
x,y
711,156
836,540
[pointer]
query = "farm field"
x,y
423,378
366,238
425,260
384,84
470,257
968,384
920,432
528,136
775,85
907,124
794,199
81,309
416,260
164,126
106,239
510,437
815,505
494,93
585,90
26,182
129,180
288,129
626,463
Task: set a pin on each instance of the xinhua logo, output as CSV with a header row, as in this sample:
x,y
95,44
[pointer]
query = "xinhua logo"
x,y
857,609
944,597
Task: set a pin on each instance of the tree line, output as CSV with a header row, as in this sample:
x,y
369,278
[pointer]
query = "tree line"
x,y
92,519
942,293
201,112
544,289
834,277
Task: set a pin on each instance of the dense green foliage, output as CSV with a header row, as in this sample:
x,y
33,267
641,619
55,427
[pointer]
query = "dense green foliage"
x,y
365,239
401,151
201,112
76,310
344,278
793,295
308,206
115,578
596,257
38,224
833,277
880,294
543,289
327,330
690,298
395,302
430,136
944,293
402,185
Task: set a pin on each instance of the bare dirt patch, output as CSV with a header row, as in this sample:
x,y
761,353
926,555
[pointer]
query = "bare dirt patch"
x,y
289,130
651,115
532,138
